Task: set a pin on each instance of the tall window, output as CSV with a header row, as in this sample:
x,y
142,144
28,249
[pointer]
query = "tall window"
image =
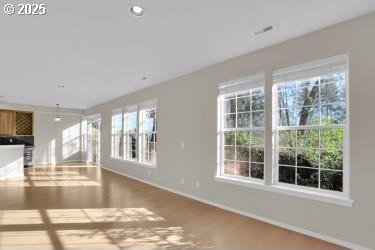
x,y
130,133
71,141
311,124
241,128
147,133
117,135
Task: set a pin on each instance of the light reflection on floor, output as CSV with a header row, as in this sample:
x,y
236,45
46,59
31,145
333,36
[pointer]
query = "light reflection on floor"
x,y
118,238
80,228
81,207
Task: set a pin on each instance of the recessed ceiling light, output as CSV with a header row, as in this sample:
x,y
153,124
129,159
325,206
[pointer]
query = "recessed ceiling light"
x,y
144,78
60,85
136,10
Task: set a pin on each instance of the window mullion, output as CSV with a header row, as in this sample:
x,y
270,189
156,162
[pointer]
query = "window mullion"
x,y
268,128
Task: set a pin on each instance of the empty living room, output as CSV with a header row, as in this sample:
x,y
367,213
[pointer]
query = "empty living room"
x,y
140,124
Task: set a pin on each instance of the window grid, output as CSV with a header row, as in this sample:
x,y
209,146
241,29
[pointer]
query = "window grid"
x,y
130,135
117,135
148,135
238,128
320,127
134,134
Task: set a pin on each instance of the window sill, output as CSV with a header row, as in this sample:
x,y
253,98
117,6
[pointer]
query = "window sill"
x,y
134,162
328,198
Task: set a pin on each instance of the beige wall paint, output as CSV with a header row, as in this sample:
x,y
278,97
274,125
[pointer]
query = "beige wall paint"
x,y
46,130
187,113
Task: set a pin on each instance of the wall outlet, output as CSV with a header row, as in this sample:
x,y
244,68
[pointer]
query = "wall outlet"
x,y
197,184
182,181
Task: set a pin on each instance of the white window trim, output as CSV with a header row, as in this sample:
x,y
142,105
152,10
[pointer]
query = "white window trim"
x,y
345,194
128,110
134,108
142,106
332,197
307,194
136,163
228,87
115,112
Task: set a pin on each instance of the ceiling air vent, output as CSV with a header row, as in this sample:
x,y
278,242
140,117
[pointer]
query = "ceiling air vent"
x,y
264,30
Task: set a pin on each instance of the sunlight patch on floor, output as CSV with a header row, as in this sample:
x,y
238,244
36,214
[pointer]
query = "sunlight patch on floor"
x,y
20,217
95,215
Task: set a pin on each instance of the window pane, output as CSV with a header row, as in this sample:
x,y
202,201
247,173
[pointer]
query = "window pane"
x,y
229,138
146,154
305,107
243,104
152,152
229,167
287,174
153,137
230,106
332,159
334,92
243,120
308,138
230,121
229,152
242,169
333,114
331,180
257,138
257,170
332,138
287,117
257,154
243,138
287,138
308,115
148,123
238,112
258,118
287,98
308,157
307,177
308,92
287,156
243,154
257,101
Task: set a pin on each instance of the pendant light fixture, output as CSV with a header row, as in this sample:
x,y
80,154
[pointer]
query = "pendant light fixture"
x,y
57,118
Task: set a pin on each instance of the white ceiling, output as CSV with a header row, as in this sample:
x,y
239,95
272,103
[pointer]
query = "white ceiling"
x,y
99,51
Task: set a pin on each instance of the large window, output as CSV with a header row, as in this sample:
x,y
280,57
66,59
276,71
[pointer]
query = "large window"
x,y
147,132
134,133
311,125
241,128
117,135
130,133
71,141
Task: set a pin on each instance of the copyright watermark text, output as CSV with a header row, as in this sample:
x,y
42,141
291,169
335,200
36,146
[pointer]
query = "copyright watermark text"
x,y
25,9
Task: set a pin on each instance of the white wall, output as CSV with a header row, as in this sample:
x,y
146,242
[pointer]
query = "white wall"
x,y
187,112
48,134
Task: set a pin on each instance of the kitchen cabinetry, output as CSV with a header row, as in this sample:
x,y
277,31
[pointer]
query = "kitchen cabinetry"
x,y
14,122
7,122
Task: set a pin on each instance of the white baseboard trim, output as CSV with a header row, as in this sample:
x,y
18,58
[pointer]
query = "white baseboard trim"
x,y
247,214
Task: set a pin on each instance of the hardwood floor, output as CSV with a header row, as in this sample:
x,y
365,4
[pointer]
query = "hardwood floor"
x,y
85,207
